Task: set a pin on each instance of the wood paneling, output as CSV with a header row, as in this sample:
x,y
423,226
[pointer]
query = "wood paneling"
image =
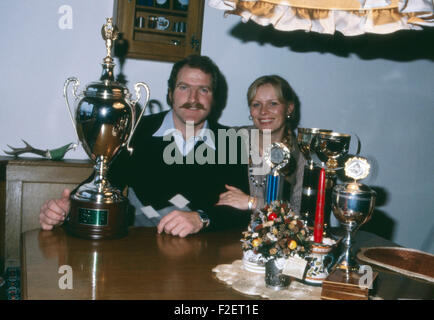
x,y
25,184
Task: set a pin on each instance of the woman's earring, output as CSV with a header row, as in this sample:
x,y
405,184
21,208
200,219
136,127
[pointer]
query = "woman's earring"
x,y
250,117
288,116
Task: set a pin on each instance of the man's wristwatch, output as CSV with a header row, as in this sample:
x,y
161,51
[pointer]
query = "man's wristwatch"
x,y
204,218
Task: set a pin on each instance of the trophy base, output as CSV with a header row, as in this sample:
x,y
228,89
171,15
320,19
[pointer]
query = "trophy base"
x,y
346,285
95,221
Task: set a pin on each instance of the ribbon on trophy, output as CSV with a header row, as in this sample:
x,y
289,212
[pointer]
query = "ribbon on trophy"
x,y
276,157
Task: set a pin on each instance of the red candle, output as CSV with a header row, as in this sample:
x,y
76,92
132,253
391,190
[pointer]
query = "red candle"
x,y
319,212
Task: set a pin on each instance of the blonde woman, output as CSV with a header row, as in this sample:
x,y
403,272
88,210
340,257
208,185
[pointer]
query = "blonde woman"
x,y
273,107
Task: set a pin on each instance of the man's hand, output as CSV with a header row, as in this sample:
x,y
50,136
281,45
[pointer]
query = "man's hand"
x,y
180,223
53,212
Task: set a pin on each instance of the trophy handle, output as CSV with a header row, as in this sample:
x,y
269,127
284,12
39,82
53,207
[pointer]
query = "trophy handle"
x,y
359,144
65,95
133,104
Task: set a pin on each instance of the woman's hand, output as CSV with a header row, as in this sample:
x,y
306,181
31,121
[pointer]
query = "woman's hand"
x,y
234,197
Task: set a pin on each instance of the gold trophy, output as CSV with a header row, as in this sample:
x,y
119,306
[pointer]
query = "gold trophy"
x,y
305,139
105,120
330,147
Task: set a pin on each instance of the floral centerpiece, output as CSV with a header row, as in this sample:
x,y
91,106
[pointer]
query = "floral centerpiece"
x,y
275,231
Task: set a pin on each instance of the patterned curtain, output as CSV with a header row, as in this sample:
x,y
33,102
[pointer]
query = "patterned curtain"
x,y
350,17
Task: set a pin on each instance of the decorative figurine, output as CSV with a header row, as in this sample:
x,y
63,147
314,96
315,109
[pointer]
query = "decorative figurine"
x,y
50,154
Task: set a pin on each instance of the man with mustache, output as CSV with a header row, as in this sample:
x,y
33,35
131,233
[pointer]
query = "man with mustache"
x,y
167,187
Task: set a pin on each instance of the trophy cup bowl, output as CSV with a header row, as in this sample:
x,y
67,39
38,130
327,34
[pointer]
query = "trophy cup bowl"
x,y
330,147
352,204
105,121
305,137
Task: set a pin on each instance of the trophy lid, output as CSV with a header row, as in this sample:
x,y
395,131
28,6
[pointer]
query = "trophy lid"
x,y
106,89
312,130
353,189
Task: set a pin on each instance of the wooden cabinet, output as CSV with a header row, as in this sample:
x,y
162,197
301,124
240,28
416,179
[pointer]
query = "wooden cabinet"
x,y
163,30
25,184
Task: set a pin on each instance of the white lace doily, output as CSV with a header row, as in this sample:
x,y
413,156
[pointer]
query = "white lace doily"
x,y
253,284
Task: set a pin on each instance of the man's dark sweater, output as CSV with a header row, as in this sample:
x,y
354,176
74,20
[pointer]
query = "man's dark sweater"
x,y
155,182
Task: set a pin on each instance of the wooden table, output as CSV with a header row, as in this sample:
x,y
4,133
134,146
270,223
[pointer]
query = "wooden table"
x,y
146,265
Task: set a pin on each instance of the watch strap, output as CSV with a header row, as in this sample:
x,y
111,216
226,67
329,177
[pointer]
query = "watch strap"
x,y
204,218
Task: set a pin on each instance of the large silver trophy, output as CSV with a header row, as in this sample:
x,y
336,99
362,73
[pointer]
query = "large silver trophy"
x,y
105,120
352,204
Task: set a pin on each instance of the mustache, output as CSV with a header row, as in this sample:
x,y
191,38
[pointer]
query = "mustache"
x,y
188,105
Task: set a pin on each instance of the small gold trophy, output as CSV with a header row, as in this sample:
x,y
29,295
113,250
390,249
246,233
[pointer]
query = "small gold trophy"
x,y
331,147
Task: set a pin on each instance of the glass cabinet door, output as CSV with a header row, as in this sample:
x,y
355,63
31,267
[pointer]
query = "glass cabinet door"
x,y
163,30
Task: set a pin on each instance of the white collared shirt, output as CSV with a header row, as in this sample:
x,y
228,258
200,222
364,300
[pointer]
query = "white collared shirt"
x,y
168,128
